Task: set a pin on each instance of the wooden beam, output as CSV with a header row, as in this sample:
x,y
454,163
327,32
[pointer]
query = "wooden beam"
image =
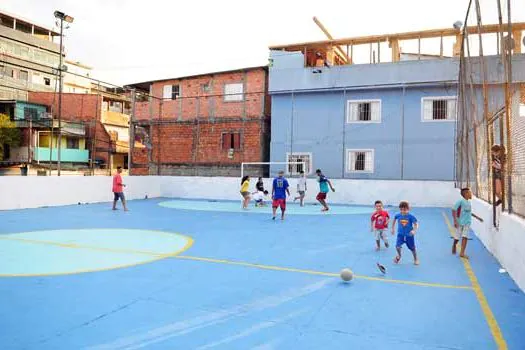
x,y
394,45
425,34
339,49
418,48
456,50
516,35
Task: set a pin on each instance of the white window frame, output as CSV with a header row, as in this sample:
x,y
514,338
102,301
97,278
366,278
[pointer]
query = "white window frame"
x,y
236,97
309,154
349,111
165,94
349,163
434,98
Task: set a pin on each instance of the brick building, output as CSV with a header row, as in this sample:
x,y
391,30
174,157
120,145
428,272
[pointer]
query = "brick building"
x,y
106,118
208,124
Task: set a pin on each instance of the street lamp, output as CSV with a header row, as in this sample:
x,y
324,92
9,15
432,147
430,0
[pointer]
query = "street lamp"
x,y
62,17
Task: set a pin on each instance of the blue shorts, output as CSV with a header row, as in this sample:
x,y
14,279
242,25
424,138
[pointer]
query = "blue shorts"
x,y
408,240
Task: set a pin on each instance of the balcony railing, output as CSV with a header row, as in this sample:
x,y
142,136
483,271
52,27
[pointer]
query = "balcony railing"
x,y
66,155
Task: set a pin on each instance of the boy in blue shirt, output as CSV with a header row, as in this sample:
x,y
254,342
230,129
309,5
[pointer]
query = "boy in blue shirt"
x,y
462,214
279,190
406,231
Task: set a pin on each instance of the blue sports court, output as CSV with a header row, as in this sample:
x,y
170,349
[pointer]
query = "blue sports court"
x,y
197,274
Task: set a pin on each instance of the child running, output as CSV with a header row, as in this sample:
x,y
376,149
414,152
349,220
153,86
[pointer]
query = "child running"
x,y
462,214
245,192
323,189
406,231
379,224
301,188
279,191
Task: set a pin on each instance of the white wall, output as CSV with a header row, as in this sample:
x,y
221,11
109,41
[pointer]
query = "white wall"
x,y
17,192
507,243
35,191
418,193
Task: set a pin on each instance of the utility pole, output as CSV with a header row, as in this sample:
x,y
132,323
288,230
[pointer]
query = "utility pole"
x,y
131,131
62,17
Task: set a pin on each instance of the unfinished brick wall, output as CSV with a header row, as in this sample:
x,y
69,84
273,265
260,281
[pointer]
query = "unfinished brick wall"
x,y
81,108
186,133
195,101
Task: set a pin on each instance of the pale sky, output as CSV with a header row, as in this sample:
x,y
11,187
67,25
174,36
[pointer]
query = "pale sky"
x,y
128,41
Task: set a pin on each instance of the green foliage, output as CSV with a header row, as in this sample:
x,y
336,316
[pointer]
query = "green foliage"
x,y
9,134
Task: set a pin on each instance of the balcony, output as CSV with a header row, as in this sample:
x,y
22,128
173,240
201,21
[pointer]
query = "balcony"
x,y
115,118
66,155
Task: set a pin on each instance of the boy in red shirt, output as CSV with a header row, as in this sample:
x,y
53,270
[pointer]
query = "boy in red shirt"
x,y
118,191
379,224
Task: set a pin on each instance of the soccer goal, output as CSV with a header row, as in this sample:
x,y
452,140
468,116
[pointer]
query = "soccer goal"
x,y
270,169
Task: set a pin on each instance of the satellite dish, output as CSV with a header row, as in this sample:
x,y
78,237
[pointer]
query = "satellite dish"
x,y
457,25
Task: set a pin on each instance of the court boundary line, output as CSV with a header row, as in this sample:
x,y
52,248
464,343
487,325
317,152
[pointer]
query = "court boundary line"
x,y
157,256
495,330
176,255
321,273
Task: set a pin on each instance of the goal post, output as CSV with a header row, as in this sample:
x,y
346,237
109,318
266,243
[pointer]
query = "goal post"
x,y
289,168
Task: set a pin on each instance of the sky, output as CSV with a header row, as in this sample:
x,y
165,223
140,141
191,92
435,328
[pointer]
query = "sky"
x,y
128,41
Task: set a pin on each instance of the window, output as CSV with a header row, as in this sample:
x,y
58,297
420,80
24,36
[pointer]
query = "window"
x,y
8,72
296,157
233,92
206,87
171,92
30,113
7,151
231,140
47,81
360,161
23,75
364,111
72,143
438,108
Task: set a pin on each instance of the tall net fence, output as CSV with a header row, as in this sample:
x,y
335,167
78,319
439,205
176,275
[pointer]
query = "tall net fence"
x,y
490,139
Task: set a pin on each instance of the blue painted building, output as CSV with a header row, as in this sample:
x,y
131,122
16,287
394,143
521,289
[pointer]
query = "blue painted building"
x,y
394,121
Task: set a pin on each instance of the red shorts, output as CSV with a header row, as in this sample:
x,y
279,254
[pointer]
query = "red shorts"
x,y
279,203
321,195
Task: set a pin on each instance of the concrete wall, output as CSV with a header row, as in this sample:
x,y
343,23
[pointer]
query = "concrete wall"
x,y
507,243
288,73
18,192
37,191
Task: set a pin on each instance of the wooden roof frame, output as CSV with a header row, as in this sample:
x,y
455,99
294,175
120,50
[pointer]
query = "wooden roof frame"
x,y
374,39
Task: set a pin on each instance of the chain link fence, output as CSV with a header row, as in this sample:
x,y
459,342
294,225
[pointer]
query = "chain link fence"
x,y
490,139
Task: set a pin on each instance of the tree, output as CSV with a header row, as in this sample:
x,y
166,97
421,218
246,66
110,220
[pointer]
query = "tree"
x,y
9,134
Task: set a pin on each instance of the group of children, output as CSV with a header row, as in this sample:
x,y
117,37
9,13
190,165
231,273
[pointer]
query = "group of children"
x,y
407,224
280,190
